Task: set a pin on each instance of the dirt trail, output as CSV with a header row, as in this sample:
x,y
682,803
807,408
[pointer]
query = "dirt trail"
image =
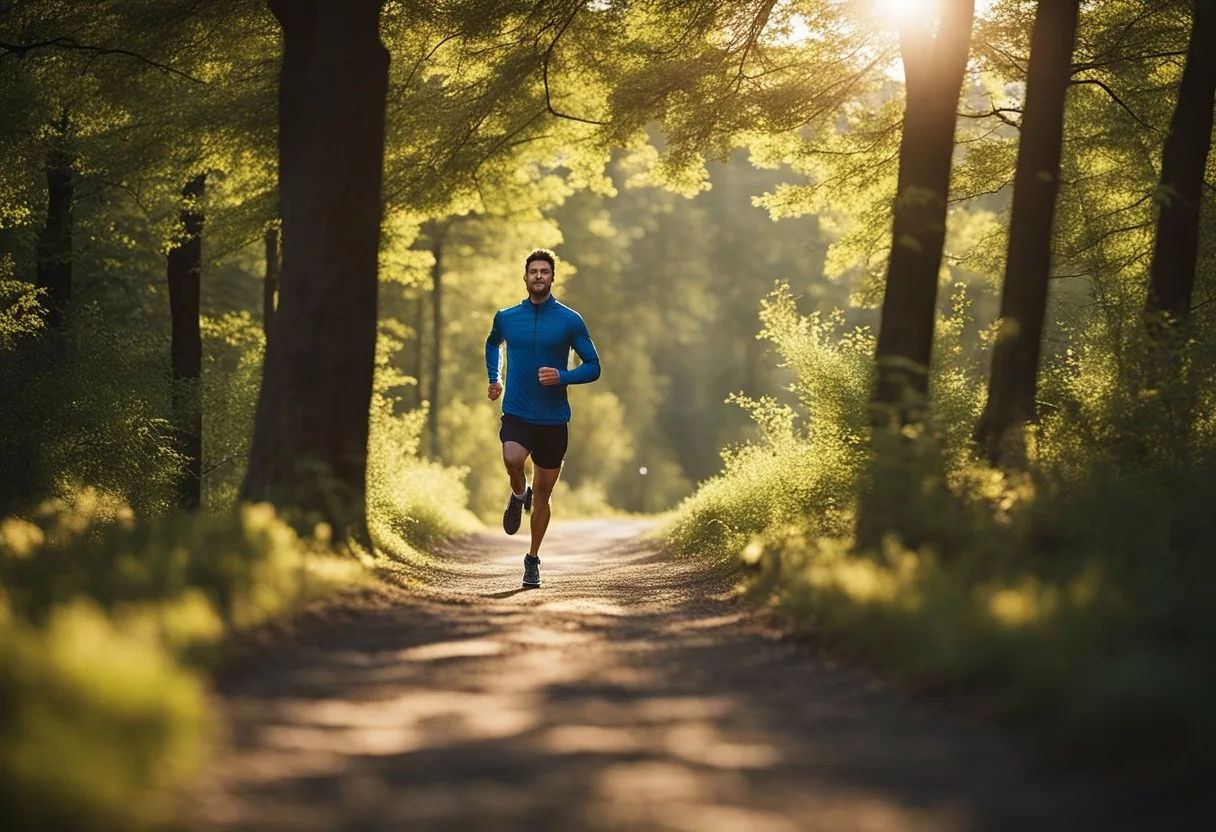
x,y
629,692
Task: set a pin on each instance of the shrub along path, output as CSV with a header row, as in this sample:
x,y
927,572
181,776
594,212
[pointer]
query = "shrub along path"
x,y
631,692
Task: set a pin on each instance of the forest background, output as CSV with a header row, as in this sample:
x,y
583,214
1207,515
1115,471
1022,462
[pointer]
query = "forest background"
x,y
989,503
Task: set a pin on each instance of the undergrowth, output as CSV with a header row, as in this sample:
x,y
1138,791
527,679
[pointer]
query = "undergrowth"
x,y
110,625
1073,594
115,607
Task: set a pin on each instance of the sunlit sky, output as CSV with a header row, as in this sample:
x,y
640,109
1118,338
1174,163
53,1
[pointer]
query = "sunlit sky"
x,y
899,11
894,13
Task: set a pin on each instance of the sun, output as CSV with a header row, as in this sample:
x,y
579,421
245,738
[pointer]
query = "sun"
x,y
898,12
885,14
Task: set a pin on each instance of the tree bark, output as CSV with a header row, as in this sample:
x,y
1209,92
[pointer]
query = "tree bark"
x,y
1183,163
1015,359
419,357
436,385
934,68
270,286
309,451
186,347
54,269
298,20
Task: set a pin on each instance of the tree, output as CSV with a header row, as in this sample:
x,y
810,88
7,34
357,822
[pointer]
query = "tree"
x,y
185,265
1015,358
270,282
934,67
1183,164
309,447
437,233
54,273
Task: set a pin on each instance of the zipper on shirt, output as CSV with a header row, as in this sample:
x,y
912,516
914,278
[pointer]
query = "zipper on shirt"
x,y
535,321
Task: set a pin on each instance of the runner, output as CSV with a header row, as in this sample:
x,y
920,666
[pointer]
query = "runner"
x,y
539,333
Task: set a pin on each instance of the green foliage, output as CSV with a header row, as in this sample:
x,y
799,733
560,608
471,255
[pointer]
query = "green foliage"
x,y
20,308
1071,594
98,721
413,504
107,622
90,412
90,545
233,346
798,471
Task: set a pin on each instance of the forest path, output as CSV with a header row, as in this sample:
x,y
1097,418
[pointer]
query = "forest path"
x,y
630,692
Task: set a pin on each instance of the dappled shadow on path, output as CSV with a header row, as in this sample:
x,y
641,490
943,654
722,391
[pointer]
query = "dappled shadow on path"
x,y
628,693
506,593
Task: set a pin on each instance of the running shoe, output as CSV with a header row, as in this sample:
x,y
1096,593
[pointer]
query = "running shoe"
x,y
515,508
531,571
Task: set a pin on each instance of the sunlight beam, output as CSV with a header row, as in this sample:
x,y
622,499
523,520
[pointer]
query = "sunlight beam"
x,y
901,12
896,13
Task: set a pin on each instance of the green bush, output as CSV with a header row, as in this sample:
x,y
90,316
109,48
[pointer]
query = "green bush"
x,y
108,624
99,722
248,566
1074,593
413,504
795,472
20,315
233,345
91,410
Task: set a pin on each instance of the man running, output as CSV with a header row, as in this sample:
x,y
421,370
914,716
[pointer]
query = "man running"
x,y
540,332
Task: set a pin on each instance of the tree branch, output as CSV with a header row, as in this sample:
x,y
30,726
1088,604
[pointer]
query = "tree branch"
x,y
997,112
1114,97
753,36
1017,62
20,49
545,72
1085,66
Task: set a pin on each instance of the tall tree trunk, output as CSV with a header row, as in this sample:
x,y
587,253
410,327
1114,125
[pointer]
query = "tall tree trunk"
x,y
419,356
934,68
298,20
186,349
54,271
1015,358
436,386
309,448
1183,163
270,286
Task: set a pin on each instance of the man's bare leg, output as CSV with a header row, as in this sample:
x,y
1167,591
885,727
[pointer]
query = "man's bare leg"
x,y
543,481
513,457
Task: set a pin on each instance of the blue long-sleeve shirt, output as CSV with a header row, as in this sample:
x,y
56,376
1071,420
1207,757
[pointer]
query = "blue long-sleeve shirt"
x,y
540,335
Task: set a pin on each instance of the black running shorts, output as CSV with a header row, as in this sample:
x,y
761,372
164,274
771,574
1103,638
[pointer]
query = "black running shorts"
x,y
546,443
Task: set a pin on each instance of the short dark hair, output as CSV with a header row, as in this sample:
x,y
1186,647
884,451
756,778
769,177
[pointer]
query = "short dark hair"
x,y
541,254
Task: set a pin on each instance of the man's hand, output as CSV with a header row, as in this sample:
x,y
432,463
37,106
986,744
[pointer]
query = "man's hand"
x,y
495,391
548,376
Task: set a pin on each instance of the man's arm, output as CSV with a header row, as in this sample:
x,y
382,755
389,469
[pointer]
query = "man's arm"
x,y
493,351
494,359
584,348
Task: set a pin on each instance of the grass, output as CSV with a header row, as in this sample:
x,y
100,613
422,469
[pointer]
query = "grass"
x,y
110,628
112,624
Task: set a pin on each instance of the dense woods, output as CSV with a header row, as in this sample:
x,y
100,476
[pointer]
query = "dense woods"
x,y
908,305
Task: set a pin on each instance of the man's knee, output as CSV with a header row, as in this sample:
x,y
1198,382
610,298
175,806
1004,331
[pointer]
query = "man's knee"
x,y
514,456
541,492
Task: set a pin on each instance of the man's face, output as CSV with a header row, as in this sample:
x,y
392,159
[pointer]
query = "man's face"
x,y
538,277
